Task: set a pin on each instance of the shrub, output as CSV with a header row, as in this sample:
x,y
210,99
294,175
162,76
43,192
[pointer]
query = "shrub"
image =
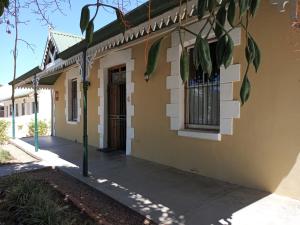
x,y
20,127
3,131
5,156
43,128
35,202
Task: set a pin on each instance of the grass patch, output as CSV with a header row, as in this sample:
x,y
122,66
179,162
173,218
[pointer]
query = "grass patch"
x,y
5,156
27,201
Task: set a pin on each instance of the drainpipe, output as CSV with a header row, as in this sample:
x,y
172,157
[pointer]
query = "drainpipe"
x,y
36,129
85,135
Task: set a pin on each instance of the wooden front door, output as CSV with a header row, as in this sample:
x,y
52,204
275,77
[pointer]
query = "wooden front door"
x,y
117,108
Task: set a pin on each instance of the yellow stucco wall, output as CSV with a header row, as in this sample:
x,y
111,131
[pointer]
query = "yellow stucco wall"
x,y
74,131
264,149
263,152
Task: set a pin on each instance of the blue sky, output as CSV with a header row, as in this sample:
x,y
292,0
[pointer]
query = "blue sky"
x,y
36,33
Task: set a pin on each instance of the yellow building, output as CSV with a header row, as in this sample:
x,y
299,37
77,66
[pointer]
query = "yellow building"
x,y
199,127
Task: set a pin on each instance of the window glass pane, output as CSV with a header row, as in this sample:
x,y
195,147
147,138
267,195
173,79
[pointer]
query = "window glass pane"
x,y
73,105
203,95
23,109
17,109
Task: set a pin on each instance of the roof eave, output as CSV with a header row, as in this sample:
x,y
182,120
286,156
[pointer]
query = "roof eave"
x,y
26,75
135,17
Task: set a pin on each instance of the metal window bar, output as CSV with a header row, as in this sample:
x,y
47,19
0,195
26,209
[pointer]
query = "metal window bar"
x,y
117,108
202,100
74,100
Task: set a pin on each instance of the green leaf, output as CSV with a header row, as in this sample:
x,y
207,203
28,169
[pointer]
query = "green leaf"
x,y
1,8
220,50
89,32
250,51
6,3
228,54
231,12
153,58
201,8
245,89
184,65
211,5
244,6
201,55
121,18
257,57
254,6
85,18
221,18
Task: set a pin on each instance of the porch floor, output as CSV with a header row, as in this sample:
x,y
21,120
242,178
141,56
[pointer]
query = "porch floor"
x,y
164,194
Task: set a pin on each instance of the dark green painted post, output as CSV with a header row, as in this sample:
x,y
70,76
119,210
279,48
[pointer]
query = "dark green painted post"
x,y
85,135
36,128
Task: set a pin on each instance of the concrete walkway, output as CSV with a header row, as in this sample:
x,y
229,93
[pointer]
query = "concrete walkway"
x,y
167,195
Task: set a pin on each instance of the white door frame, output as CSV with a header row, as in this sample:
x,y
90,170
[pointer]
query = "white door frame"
x,y
108,61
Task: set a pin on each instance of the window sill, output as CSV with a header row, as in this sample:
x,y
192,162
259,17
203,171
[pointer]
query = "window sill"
x,y
72,122
206,135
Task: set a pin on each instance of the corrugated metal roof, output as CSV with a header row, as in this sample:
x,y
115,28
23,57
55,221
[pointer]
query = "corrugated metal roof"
x,y
64,40
26,75
5,92
134,18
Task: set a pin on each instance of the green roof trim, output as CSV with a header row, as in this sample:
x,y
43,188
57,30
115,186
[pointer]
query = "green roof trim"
x,y
134,18
27,75
49,80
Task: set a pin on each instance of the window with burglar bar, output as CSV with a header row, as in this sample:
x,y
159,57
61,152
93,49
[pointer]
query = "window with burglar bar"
x,y
202,96
73,105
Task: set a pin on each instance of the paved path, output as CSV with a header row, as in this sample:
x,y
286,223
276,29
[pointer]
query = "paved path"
x,y
22,162
164,194
18,155
10,169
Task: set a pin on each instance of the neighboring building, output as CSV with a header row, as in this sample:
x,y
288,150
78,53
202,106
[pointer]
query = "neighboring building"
x,y
1,110
200,127
25,107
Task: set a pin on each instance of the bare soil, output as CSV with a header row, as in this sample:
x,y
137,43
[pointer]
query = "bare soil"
x,y
100,207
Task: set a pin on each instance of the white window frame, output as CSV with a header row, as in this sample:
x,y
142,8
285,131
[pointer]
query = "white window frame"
x,y
197,127
175,110
72,117
73,73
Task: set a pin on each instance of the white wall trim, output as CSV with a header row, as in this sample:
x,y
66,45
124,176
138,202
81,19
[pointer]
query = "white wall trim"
x,y
200,135
110,60
229,108
72,74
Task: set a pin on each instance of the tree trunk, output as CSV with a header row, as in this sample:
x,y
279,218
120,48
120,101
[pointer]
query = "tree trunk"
x,y
16,22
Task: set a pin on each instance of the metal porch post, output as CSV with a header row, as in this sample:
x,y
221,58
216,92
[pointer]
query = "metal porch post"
x,y
85,135
36,129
